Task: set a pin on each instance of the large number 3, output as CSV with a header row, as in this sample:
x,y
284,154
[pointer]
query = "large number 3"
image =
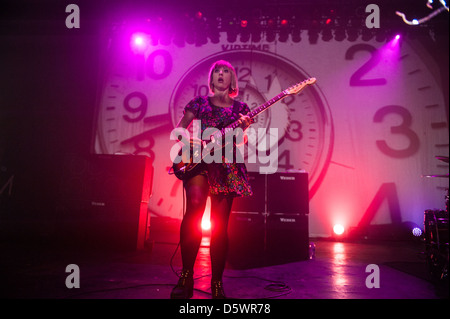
x,y
403,128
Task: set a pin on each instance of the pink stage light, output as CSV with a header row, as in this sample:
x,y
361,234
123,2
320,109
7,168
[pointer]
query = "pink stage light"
x,y
338,229
139,42
395,41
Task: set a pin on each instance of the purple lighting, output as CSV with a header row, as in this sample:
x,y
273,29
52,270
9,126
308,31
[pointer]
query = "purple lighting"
x,y
394,44
139,42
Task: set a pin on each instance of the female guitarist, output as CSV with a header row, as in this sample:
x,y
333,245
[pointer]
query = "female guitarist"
x,y
221,181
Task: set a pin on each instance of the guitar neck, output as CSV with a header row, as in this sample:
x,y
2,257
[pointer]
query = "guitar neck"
x,y
253,113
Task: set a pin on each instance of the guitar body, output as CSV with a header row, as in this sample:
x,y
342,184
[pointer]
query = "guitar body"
x,y
185,171
186,167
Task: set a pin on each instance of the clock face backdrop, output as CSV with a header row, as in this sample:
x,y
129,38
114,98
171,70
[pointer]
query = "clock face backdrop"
x,y
366,132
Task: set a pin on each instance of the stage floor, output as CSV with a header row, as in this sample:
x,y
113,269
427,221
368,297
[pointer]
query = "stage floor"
x,y
338,271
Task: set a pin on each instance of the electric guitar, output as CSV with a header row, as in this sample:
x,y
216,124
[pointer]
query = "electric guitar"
x,y
187,168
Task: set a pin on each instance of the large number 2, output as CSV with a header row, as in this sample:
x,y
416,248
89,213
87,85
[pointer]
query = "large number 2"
x,y
357,78
404,128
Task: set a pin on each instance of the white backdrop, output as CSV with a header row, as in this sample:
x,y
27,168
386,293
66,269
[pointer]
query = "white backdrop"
x,y
366,131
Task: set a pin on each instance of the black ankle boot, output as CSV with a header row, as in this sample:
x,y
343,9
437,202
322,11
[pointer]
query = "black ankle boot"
x,y
217,291
185,286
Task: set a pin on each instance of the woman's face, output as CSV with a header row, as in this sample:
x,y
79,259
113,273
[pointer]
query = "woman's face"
x,y
221,78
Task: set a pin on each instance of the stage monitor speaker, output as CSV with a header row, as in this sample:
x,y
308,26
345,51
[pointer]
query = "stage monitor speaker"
x,y
104,201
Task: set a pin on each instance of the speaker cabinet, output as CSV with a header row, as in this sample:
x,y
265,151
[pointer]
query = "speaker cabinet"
x,y
103,201
246,238
287,238
287,193
270,227
255,203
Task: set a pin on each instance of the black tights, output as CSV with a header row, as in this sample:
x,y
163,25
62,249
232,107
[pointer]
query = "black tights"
x,y
197,190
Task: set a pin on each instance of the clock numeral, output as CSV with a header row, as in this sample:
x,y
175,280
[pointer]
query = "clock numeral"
x,y
288,100
269,82
200,90
294,131
357,78
243,74
159,64
286,155
144,145
140,108
404,129
388,192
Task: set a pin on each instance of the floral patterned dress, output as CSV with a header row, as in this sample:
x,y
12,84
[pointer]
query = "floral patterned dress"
x,y
223,178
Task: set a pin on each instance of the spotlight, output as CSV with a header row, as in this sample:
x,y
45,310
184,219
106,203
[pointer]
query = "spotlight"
x,y
270,31
213,30
139,42
231,36
339,34
245,33
232,31
270,35
256,36
199,15
352,34
327,35
200,38
283,36
338,229
206,224
366,34
284,30
178,39
313,36
417,231
245,36
214,36
296,36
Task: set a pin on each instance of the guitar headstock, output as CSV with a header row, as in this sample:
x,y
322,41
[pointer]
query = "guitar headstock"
x,y
300,86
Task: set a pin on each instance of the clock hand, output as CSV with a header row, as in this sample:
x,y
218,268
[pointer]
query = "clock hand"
x,y
160,118
160,126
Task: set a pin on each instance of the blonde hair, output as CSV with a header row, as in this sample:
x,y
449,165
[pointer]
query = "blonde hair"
x,y
234,90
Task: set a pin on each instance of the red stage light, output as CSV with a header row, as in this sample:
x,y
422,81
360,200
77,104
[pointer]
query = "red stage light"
x,y
206,224
338,229
244,23
198,14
